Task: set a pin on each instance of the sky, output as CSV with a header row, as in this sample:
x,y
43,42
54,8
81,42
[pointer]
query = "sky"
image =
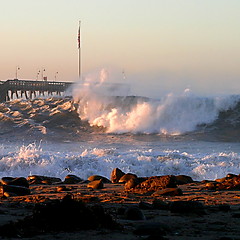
x,y
162,46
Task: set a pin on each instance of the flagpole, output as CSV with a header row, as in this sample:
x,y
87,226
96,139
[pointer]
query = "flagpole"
x,y
79,50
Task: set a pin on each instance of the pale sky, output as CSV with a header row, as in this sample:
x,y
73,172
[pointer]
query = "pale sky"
x,y
162,45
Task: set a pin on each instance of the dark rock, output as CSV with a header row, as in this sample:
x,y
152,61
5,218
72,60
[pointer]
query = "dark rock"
x,y
126,177
98,177
211,185
230,175
37,179
9,194
116,175
153,228
18,190
133,213
168,192
58,215
72,179
186,207
62,189
132,183
97,184
19,181
183,179
156,183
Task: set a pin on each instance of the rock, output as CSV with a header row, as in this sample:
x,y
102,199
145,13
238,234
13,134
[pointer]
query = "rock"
x,y
72,179
186,207
230,175
62,189
126,177
160,205
156,183
9,194
116,175
19,181
211,185
133,213
98,177
37,179
132,183
183,179
97,184
65,215
152,228
18,190
168,192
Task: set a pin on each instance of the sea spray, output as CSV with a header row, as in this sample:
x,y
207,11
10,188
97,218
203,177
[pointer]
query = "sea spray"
x,y
172,114
86,161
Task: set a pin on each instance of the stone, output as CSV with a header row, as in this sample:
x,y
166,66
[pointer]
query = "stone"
x,y
9,194
18,190
116,175
62,189
97,184
65,215
211,185
98,177
183,179
19,181
38,179
186,207
126,177
156,183
72,179
134,213
168,192
132,183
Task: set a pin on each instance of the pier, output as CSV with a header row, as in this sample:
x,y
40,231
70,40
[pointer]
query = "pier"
x,y
30,89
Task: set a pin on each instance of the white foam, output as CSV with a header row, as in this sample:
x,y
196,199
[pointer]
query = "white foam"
x,y
32,159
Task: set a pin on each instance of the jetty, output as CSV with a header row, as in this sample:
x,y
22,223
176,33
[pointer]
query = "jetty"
x,y
29,89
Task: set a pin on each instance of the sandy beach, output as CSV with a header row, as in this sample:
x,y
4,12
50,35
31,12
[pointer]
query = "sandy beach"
x,y
216,216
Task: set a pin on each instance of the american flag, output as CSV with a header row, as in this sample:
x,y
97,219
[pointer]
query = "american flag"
x,y
79,36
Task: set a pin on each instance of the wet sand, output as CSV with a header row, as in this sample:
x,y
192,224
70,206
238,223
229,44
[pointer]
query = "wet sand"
x,y
219,219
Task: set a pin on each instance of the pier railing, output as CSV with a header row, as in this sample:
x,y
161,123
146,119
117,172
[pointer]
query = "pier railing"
x,y
30,88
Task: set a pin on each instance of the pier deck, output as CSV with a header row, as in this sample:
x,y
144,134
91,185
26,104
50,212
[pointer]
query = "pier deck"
x,y
30,88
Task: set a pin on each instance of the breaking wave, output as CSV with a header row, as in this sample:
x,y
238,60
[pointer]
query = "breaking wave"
x,y
171,115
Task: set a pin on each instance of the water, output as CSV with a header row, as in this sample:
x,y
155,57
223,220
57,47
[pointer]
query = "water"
x,y
93,134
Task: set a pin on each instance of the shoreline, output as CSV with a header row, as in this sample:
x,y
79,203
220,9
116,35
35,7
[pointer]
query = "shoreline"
x,y
219,217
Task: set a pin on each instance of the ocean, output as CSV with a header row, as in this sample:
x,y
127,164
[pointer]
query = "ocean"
x,y
94,132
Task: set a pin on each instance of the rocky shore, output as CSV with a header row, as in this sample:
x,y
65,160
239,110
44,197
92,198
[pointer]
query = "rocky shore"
x,y
124,206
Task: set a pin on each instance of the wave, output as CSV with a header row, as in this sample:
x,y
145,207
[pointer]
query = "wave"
x,y
32,159
171,115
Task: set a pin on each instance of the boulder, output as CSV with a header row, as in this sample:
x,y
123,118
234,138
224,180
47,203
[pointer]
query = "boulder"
x,y
97,184
18,181
183,179
12,190
72,179
126,177
98,177
134,213
37,179
116,175
169,192
156,183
